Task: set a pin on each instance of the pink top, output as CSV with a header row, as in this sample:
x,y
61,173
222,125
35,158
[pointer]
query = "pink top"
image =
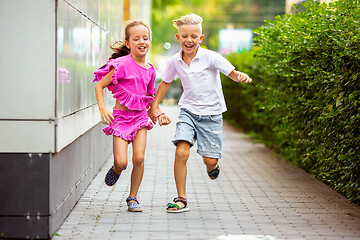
x,y
132,85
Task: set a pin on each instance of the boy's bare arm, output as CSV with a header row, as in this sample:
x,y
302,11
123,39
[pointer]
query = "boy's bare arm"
x,y
239,77
160,93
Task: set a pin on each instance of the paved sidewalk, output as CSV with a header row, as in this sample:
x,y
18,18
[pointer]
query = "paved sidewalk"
x,y
257,196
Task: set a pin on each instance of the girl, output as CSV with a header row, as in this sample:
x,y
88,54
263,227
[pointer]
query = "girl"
x,y
132,82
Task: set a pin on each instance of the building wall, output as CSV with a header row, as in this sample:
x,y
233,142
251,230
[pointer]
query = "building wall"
x,y
51,140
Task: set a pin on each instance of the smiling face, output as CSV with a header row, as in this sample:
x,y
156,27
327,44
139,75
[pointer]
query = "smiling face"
x,y
138,41
189,37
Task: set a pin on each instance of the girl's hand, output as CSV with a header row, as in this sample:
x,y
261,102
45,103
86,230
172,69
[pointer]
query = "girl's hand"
x,y
164,120
152,113
106,116
243,77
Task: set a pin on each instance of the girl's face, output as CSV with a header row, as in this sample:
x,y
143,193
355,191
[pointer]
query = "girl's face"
x,y
139,41
189,37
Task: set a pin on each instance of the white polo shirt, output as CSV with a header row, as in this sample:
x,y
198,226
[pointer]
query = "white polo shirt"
x,y
201,81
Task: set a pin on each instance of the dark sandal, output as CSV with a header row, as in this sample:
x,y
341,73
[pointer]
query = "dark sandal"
x,y
174,205
111,177
213,174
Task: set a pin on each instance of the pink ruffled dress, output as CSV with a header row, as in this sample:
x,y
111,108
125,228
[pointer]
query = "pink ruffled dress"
x,y
133,86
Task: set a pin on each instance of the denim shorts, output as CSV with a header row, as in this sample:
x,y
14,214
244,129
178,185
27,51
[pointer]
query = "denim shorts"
x,y
205,129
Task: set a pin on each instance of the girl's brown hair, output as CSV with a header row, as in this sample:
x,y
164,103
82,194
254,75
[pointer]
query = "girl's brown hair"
x,y
119,48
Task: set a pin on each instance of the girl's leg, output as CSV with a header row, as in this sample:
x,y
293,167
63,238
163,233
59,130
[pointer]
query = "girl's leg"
x,y
180,169
139,146
120,154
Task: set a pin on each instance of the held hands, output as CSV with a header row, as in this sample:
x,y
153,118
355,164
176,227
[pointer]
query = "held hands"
x,y
163,119
106,116
155,113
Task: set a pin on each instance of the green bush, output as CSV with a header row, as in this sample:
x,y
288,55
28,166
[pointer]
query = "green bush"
x,y
245,102
306,93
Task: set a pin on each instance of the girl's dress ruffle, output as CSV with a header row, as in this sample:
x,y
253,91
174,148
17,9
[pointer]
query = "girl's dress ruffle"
x,y
111,131
126,98
130,100
100,73
105,69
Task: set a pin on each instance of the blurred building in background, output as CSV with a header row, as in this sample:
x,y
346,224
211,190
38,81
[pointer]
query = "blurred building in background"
x,y
234,27
245,15
289,3
51,141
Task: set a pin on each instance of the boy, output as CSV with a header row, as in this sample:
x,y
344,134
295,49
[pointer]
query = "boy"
x,y
202,102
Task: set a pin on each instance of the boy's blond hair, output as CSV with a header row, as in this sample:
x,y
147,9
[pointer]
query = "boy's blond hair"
x,y
187,19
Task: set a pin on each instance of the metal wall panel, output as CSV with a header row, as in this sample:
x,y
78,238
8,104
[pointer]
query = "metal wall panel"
x,y
27,59
24,201
27,136
75,125
24,184
22,227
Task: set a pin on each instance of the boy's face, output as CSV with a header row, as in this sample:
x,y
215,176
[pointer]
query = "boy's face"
x,y
189,37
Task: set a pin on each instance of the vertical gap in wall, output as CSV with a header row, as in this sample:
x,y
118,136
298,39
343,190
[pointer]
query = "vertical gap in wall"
x,y
50,233
56,67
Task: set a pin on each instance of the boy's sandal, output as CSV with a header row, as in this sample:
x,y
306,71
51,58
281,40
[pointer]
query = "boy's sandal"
x,y
171,206
213,174
111,177
133,206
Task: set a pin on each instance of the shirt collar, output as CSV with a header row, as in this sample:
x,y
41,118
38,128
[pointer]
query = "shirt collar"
x,y
199,52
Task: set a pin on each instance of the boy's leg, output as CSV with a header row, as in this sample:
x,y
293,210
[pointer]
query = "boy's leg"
x,y
209,137
184,138
212,167
180,169
211,163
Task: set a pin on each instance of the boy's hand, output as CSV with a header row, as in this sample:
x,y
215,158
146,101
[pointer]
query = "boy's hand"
x,y
164,120
106,116
243,77
239,77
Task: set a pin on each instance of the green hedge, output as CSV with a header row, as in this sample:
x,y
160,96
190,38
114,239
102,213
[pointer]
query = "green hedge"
x,y
305,98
